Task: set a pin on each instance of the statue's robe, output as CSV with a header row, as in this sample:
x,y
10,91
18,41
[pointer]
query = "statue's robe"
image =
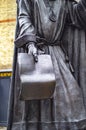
x,y
66,43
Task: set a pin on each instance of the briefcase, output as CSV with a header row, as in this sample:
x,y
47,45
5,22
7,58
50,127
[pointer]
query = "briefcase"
x,y
37,79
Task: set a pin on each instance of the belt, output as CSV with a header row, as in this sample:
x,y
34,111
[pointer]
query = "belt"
x,y
43,41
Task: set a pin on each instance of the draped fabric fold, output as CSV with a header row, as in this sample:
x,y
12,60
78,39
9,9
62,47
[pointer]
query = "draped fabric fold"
x,y
67,109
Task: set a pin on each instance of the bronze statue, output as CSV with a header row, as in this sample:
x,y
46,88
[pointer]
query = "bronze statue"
x,y
56,27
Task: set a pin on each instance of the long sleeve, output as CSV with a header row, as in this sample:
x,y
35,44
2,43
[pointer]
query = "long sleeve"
x,y
78,13
26,28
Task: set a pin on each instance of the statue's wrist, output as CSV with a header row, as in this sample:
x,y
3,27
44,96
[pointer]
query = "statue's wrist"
x,y
30,44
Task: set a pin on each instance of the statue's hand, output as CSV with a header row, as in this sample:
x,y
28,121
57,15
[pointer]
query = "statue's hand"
x,y
33,50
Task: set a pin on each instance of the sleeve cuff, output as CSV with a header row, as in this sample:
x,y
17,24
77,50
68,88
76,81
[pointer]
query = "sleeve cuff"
x,y
22,40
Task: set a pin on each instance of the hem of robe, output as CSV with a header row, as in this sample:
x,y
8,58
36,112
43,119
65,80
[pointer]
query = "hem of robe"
x,y
73,125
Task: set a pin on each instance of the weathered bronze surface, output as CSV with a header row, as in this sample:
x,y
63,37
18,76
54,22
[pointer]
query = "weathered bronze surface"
x,y
55,27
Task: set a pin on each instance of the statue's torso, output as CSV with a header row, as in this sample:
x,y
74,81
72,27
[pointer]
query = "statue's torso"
x,y
44,26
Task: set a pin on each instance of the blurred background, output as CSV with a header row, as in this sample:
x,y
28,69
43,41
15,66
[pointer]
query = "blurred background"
x,y
7,32
7,29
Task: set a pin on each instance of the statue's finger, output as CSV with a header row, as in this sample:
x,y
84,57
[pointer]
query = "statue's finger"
x,y
35,57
